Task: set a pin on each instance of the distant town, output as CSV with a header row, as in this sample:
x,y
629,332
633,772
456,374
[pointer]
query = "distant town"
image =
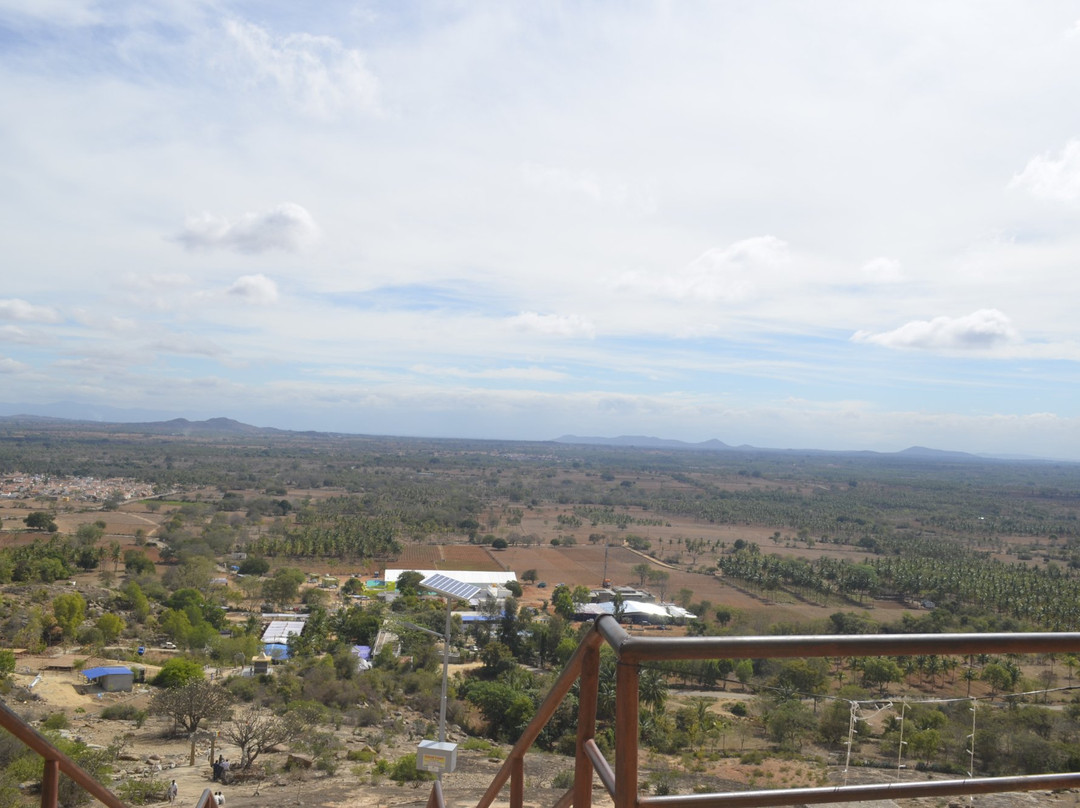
x,y
65,488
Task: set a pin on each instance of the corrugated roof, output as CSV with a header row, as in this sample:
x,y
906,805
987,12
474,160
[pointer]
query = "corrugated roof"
x,y
279,630
109,670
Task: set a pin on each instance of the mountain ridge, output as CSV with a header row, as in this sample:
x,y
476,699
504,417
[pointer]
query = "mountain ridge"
x,y
224,427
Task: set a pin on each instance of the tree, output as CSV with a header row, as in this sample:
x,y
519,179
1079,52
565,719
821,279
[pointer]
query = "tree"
x,y
7,663
69,611
880,671
744,672
179,672
254,731
529,575
190,704
137,563
562,601
998,677
580,594
40,520
110,626
641,571
90,533
659,579
408,583
254,565
788,723
499,544
283,587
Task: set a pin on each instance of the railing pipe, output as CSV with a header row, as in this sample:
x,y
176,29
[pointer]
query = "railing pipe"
x,y
603,769
875,791
588,694
206,799
544,712
634,650
56,763
566,800
631,651
435,798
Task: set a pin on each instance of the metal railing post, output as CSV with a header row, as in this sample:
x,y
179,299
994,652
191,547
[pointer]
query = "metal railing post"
x,y
588,694
517,783
626,734
50,783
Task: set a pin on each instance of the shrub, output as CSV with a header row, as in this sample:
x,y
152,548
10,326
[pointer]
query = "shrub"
x,y
563,779
405,771
361,755
124,712
142,792
55,721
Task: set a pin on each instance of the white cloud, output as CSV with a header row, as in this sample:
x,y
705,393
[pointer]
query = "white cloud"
x,y
317,74
982,330
254,289
286,227
562,181
157,281
721,275
12,333
883,270
556,324
1055,179
9,365
15,309
536,374
54,12
187,345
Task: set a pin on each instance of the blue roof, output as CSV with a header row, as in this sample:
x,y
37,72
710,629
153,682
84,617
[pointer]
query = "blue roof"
x,y
362,651
108,670
276,650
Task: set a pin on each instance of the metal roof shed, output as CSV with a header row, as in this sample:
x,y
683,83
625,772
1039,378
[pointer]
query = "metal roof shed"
x,y
111,678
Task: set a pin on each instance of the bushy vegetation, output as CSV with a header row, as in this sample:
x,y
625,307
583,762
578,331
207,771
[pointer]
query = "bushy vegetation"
x,y
927,533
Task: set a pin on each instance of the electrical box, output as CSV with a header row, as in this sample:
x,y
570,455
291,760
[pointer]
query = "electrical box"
x,y
433,756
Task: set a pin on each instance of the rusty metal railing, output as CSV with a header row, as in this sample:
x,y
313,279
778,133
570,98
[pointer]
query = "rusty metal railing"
x,y
621,782
55,764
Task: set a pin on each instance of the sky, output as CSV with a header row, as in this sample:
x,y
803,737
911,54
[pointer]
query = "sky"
x,y
831,225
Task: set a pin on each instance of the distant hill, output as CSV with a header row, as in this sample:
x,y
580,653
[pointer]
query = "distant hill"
x,y
179,427
644,442
225,427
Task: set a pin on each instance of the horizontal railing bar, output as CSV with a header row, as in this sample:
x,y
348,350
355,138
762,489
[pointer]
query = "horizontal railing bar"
x,y
544,712
34,740
875,791
632,649
602,767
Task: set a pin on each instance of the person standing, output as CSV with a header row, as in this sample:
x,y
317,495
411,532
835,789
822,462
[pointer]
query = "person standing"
x,y
173,791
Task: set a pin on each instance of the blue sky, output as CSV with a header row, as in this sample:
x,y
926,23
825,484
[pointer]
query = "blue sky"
x,y
828,225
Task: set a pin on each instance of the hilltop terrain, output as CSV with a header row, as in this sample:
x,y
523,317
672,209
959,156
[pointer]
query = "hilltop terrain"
x,y
750,542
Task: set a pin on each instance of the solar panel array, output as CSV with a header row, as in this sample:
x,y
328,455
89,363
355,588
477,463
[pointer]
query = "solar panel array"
x,y
445,585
